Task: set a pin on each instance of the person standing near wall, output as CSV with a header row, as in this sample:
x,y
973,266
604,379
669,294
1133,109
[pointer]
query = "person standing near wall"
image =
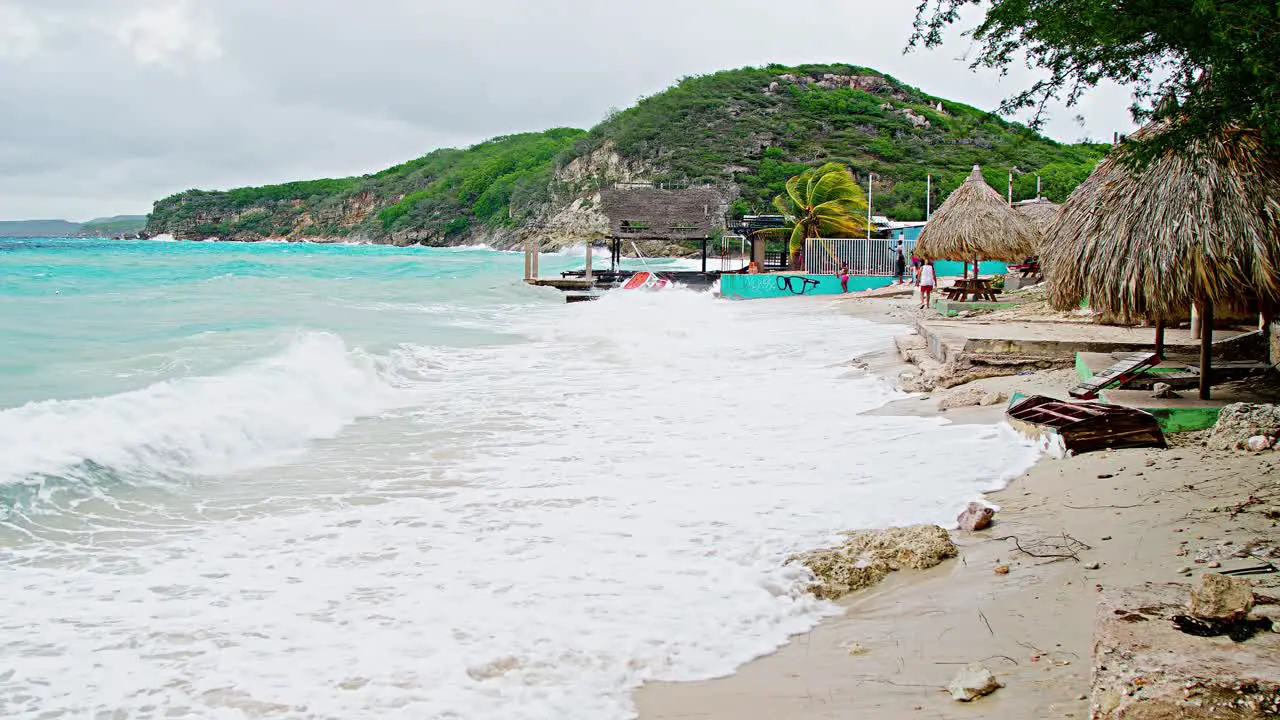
x,y
927,280
900,262
844,277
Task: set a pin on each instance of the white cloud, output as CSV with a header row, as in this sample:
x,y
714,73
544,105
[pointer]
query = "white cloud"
x,y
112,104
169,33
20,36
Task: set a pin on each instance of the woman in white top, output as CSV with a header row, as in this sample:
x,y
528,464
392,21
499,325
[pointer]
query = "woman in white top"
x,y
927,281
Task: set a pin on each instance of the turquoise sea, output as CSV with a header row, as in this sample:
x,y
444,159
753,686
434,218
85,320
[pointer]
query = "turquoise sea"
x,y
342,481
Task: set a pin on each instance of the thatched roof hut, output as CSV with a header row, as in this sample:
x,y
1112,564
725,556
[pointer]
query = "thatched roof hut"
x,y
1040,212
1204,225
976,222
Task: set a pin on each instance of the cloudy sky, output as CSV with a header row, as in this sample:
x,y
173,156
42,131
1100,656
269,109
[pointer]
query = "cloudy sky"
x,y
111,104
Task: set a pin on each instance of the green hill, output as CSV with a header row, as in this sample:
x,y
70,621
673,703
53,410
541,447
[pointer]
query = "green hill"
x,y
38,228
749,129
758,127
444,195
114,226
101,227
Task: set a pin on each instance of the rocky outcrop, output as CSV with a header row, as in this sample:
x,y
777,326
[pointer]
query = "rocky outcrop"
x,y
867,556
1239,422
1144,667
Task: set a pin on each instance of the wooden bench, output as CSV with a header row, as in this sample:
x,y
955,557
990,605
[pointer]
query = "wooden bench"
x,y
1122,371
978,288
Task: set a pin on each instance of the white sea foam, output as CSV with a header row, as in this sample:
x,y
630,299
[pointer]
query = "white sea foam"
x,y
202,425
526,530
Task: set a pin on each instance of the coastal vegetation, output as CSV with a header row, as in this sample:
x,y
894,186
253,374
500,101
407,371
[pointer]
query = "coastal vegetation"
x,y
1202,66
434,198
748,130
821,202
757,127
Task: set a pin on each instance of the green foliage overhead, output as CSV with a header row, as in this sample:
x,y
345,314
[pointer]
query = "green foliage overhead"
x,y
1204,64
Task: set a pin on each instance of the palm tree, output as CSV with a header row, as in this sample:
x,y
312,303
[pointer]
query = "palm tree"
x,y
821,202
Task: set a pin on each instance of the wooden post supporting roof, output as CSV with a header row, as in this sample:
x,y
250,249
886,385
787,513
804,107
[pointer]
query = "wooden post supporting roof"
x,y
1206,348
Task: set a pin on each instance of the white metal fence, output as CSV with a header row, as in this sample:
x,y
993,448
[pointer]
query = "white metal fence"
x,y
733,253
865,257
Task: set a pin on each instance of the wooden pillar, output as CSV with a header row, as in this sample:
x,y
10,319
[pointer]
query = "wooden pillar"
x,y
704,255
1195,323
536,247
528,260
586,275
1206,348
1160,338
759,246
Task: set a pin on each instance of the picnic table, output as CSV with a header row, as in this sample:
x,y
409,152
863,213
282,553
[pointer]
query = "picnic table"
x,y
975,288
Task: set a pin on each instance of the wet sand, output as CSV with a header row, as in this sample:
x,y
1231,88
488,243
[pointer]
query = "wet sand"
x,y
1141,515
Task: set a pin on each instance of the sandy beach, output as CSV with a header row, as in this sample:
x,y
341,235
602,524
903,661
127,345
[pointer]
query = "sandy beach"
x,y
1125,517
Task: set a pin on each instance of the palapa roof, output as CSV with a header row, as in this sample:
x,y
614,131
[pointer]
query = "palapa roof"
x,y
1040,212
976,222
650,213
1201,224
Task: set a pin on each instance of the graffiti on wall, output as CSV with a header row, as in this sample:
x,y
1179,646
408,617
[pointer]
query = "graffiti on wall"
x,y
796,284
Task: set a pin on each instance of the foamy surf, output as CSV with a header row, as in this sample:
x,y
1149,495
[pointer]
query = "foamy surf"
x,y
393,523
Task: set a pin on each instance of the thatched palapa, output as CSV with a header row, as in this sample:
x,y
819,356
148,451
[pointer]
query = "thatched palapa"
x,y
976,222
1198,226
1040,212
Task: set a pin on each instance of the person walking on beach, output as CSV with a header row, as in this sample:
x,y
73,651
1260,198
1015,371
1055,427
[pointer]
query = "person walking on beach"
x,y
916,262
927,281
844,277
900,263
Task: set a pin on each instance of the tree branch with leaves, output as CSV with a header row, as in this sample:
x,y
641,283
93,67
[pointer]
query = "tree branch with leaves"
x,y
1199,65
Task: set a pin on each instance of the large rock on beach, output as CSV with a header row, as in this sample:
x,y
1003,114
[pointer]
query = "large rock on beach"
x,y
971,683
1145,668
967,397
1218,597
867,556
975,517
1238,422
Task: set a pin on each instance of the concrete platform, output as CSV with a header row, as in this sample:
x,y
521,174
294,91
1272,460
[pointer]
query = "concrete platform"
x,y
951,308
1143,667
1056,341
1182,414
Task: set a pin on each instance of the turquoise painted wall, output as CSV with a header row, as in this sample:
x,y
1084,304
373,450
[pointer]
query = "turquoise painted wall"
x,y
947,268
771,285
754,287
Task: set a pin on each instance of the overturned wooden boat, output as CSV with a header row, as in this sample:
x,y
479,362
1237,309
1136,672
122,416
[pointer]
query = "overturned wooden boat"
x,y
1080,427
